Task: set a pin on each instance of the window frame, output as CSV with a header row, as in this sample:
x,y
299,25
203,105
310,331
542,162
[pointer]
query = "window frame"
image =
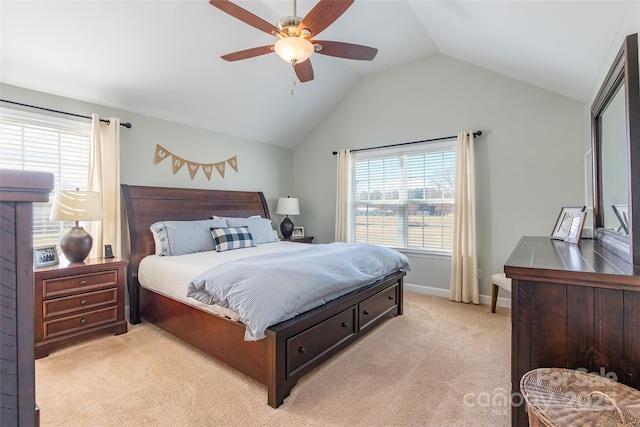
x,y
400,151
72,148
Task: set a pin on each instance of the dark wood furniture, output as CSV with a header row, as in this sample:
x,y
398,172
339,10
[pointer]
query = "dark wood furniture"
x,y
572,306
18,191
75,301
291,348
306,239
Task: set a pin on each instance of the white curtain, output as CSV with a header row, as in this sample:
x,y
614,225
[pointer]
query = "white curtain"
x,y
343,197
464,261
104,176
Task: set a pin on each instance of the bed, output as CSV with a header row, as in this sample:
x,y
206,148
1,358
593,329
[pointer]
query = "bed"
x,y
291,348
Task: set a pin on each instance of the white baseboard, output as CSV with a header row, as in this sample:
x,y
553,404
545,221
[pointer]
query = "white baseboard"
x,y
444,293
425,290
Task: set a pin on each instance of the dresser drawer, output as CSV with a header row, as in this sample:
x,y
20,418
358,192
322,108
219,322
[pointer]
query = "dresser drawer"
x,y
311,344
81,302
79,283
71,324
378,306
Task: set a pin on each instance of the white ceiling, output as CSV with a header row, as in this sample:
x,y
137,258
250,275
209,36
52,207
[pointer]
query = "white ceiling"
x,y
162,58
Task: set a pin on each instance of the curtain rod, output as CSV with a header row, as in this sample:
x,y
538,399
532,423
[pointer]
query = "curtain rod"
x,y
127,125
478,133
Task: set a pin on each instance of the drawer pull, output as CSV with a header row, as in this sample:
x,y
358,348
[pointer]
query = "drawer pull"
x,y
302,350
83,282
83,302
345,324
365,312
83,320
390,296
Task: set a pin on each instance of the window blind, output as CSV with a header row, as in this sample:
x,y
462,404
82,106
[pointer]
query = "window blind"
x,y
404,196
42,143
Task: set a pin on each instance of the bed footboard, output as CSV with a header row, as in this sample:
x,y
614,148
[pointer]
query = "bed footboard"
x,y
292,348
301,344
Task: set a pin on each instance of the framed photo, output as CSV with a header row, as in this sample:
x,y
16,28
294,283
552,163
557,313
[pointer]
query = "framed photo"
x,y
297,232
45,255
563,223
622,212
575,229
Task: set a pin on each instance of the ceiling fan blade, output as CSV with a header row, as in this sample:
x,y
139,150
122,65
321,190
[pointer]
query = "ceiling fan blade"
x,y
247,53
245,16
346,50
304,71
323,14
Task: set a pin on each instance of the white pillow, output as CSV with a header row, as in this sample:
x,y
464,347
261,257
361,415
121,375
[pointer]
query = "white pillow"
x,y
156,241
261,229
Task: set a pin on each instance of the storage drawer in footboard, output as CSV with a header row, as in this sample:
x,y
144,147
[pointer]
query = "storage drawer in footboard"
x,y
313,343
374,308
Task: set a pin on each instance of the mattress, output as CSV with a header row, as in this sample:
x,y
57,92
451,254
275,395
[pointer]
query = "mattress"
x,y
171,275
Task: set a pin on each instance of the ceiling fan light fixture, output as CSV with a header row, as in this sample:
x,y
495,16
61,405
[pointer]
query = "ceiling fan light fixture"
x,y
294,49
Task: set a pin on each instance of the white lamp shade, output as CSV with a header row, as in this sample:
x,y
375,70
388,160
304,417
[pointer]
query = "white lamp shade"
x,y
288,206
76,206
294,49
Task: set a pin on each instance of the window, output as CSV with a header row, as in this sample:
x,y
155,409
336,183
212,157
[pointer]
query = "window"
x,y
42,143
404,196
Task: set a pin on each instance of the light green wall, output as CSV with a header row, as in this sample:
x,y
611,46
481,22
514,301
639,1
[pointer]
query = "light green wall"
x,y
529,161
261,167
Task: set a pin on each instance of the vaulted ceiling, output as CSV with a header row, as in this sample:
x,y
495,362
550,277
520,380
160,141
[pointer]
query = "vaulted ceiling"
x,y
162,58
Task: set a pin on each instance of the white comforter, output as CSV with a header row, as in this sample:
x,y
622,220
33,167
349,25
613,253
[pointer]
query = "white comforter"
x,y
170,275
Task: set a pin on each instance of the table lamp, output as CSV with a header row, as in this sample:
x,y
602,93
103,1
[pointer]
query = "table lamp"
x,y
76,206
287,206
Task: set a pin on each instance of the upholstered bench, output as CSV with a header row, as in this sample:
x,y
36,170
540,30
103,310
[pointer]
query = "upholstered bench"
x,y
498,280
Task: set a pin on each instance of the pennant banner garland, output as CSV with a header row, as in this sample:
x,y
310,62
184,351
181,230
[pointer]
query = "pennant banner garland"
x,y
178,162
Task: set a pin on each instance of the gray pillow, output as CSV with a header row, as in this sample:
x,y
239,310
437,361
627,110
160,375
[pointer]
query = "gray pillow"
x,y
261,229
185,237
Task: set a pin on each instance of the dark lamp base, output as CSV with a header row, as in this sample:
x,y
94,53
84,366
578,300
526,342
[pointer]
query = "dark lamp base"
x,y
76,244
286,228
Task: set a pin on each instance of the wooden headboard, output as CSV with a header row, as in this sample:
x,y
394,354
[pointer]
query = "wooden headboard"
x,y
147,205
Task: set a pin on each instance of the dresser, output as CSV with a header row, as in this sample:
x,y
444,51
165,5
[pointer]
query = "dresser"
x,y
572,306
18,191
75,301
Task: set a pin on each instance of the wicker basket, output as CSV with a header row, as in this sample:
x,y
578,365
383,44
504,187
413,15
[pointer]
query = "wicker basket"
x,y
563,397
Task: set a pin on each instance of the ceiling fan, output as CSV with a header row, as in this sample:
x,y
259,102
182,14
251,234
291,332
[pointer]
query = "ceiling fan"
x,y
294,35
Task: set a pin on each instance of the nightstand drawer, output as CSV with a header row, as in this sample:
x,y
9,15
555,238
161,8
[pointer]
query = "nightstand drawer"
x,y
68,325
76,303
80,283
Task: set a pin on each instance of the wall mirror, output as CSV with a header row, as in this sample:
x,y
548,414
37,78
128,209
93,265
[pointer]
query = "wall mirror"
x,y
615,137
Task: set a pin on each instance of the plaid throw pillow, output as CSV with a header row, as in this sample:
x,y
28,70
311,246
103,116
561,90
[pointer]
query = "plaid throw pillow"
x,y
231,238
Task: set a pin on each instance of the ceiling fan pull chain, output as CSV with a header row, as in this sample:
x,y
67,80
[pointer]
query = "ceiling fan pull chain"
x,y
293,83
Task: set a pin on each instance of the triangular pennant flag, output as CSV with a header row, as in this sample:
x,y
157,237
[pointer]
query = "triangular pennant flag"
x,y
233,162
177,163
207,169
220,168
161,154
193,168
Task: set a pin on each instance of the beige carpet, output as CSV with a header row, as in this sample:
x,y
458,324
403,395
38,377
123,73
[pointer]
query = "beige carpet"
x,y
440,364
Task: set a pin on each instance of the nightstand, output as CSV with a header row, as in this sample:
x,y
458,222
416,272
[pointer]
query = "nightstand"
x,y
74,301
308,239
